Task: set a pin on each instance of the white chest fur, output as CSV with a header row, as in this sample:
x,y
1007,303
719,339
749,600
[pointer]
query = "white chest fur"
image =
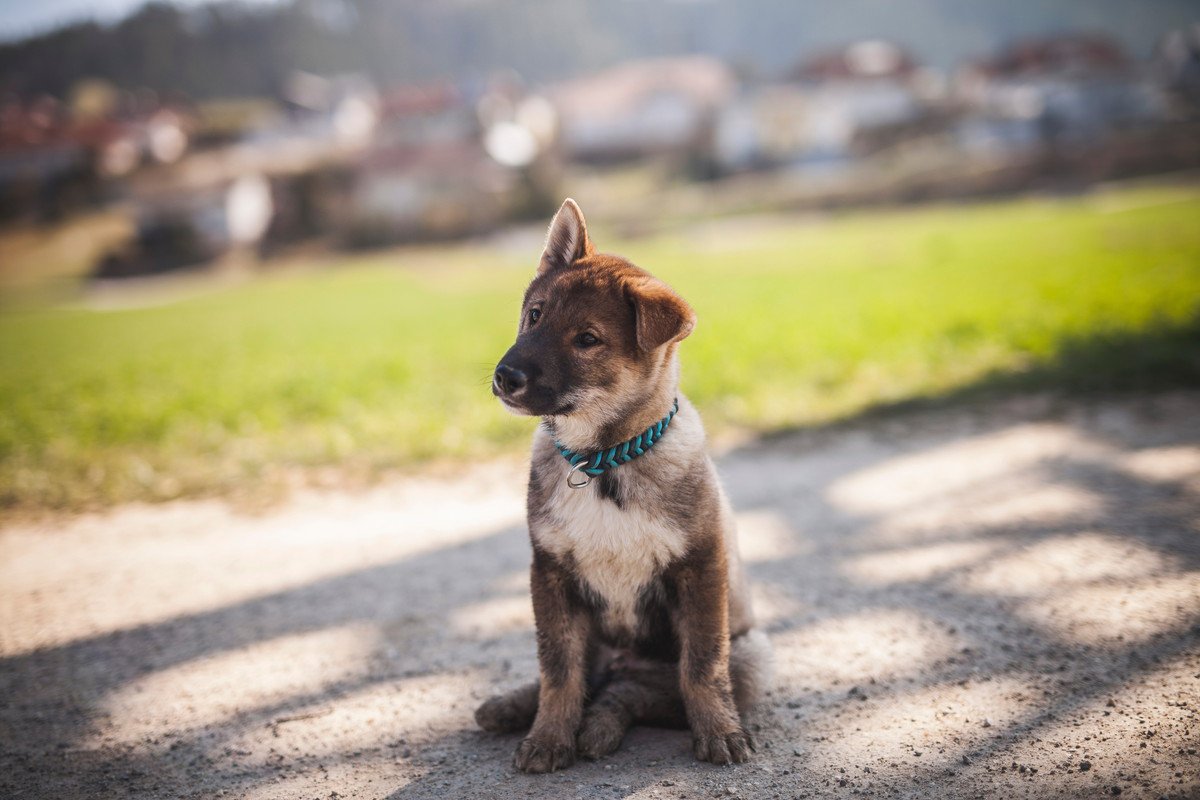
x,y
616,551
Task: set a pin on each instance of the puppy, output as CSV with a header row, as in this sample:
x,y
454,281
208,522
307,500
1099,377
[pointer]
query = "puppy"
x,y
642,612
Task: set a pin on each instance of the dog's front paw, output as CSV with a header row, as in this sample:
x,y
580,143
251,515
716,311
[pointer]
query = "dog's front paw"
x,y
536,754
734,747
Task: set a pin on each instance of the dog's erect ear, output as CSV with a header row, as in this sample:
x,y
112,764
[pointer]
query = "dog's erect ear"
x,y
662,315
567,239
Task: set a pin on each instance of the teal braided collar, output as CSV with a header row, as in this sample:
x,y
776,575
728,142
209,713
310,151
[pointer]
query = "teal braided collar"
x,y
591,466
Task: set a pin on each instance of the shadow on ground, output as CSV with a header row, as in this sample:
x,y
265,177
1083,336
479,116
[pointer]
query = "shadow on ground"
x,y
964,601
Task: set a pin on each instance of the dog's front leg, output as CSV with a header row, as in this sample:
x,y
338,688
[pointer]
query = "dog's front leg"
x,y
563,631
702,624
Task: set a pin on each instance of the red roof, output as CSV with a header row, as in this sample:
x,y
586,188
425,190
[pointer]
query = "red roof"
x,y
1056,54
865,60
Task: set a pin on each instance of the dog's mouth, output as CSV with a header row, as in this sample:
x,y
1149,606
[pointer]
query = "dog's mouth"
x,y
522,407
516,408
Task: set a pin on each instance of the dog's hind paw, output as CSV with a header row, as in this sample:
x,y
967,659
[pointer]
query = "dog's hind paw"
x,y
501,715
600,735
509,713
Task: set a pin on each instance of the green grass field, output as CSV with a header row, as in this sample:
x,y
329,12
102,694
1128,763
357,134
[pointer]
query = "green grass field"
x,y
384,360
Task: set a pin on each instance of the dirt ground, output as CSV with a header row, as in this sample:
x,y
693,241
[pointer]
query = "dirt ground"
x,y
998,601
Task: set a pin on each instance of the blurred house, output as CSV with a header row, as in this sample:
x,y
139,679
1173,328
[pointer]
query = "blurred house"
x,y
447,163
1053,92
1177,63
275,184
340,111
184,228
641,108
57,157
346,162
416,178
830,109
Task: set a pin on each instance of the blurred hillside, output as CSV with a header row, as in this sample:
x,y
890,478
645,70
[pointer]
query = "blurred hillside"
x,y
238,133
228,49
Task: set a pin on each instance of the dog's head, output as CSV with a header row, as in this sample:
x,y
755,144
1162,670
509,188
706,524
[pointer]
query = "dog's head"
x,y
597,333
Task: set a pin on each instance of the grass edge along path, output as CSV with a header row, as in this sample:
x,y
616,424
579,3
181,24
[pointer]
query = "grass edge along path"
x,y
383,361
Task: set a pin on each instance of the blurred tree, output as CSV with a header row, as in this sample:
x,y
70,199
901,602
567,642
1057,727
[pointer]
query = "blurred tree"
x,y
230,49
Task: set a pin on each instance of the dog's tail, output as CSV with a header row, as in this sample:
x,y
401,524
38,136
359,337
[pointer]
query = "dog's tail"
x,y
751,666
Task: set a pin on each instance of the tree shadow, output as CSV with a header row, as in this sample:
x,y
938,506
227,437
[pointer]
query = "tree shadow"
x,y
1160,357
995,637
850,552
66,686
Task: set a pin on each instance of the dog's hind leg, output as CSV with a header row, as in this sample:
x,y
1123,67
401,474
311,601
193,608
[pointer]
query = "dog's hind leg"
x,y
644,692
510,712
515,710
750,668
647,692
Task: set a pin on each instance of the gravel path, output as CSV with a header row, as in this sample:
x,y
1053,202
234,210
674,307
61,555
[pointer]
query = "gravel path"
x,y
1000,601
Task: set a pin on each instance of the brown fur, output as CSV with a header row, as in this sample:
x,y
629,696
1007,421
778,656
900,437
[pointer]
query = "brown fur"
x,y
640,605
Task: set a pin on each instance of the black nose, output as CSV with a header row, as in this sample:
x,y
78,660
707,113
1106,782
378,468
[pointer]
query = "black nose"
x,y
509,380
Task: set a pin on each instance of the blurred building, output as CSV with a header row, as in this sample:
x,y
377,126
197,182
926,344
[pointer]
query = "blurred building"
x,y
1055,92
829,109
448,162
1177,63
641,108
346,162
274,183
58,157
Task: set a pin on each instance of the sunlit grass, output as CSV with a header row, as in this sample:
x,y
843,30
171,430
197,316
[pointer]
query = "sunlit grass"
x,y
384,360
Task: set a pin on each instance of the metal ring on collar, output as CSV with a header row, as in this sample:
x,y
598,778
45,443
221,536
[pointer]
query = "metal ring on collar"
x,y
583,464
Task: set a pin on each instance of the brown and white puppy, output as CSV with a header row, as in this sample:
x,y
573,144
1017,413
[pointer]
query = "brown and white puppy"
x,y
641,608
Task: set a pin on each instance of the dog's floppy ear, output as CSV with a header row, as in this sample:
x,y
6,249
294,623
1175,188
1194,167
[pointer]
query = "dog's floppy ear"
x,y
662,315
567,239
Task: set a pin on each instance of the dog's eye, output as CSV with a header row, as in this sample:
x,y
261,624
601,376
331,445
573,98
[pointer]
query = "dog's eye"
x,y
586,340
534,315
